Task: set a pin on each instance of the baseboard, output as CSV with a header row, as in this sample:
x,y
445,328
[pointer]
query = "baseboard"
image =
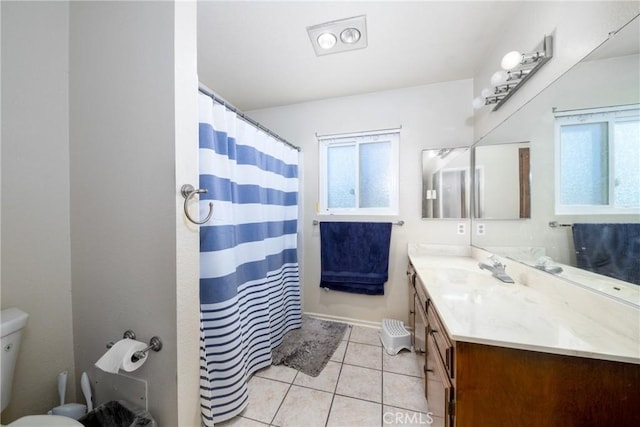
x,y
351,321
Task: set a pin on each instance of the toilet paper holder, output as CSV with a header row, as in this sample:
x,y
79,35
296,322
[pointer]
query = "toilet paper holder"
x,y
155,344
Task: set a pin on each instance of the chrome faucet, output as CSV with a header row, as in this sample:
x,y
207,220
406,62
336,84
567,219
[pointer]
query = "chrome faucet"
x,y
496,267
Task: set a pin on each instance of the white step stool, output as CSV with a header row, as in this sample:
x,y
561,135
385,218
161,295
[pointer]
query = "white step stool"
x,y
394,336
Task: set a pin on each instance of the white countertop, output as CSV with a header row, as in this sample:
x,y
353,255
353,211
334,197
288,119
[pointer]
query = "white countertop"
x,y
476,307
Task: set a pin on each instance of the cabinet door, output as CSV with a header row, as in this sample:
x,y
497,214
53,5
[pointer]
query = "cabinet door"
x,y
438,387
420,326
412,305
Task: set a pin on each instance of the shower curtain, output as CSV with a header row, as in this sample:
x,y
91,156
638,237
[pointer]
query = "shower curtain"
x,y
249,284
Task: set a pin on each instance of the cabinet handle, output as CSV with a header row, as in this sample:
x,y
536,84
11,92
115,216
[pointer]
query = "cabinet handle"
x,y
427,369
412,312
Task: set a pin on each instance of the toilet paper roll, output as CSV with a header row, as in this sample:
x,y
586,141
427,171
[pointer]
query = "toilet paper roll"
x,y
119,356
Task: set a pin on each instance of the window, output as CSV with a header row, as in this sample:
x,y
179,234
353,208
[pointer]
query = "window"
x,y
359,173
598,161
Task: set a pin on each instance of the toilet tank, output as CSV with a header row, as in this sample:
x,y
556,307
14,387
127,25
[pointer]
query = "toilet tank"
x,y
13,321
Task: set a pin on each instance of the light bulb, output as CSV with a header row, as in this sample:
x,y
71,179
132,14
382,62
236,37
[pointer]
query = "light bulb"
x,y
511,60
478,102
499,78
350,35
486,92
327,40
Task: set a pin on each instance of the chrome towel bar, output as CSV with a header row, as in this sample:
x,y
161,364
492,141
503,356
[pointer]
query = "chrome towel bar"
x,y
556,224
188,191
316,222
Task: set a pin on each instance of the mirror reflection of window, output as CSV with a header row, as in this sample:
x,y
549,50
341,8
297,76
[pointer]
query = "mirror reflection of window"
x,y
598,158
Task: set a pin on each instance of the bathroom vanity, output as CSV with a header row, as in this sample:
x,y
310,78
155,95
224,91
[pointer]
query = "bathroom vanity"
x,y
524,353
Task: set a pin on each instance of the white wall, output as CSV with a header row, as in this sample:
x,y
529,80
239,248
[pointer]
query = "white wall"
x,y
578,27
187,234
130,104
36,273
431,116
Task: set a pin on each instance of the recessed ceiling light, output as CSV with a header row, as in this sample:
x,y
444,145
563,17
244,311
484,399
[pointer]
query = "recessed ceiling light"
x,y
350,35
339,36
327,40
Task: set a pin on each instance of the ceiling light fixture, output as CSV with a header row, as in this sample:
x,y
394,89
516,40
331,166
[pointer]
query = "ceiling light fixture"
x,y
517,68
339,36
327,40
350,35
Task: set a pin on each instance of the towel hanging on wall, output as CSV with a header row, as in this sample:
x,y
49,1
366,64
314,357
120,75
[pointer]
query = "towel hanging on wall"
x,y
609,249
355,256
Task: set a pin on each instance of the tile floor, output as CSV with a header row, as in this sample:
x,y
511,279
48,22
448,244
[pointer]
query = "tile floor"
x,y
362,386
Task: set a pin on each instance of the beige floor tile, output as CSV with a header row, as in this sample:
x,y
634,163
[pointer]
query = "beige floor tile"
x,y
365,355
405,362
338,355
392,416
240,422
326,381
278,372
365,335
348,412
265,397
361,383
304,407
403,391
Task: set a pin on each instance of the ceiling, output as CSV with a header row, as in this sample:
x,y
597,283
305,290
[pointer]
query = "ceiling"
x,y
257,54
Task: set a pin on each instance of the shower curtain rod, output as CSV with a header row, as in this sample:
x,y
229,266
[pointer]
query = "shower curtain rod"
x,y
202,88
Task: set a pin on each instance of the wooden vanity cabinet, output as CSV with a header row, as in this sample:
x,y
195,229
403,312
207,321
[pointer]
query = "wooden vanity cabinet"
x,y
469,384
425,332
417,311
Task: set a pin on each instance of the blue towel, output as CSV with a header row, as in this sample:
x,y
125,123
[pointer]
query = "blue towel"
x,y
355,256
609,249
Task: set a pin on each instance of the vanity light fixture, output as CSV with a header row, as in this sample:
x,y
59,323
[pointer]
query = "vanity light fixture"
x,y
517,68
339,36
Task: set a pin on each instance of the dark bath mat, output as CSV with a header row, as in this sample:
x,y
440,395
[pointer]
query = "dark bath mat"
x,y
309,348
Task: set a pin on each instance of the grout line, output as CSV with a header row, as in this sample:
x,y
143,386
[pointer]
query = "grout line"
x,y
280,406
333,395
382,391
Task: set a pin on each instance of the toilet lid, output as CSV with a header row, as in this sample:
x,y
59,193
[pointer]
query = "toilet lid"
x,y
45,421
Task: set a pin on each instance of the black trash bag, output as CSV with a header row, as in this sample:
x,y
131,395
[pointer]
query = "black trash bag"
x,y
117,413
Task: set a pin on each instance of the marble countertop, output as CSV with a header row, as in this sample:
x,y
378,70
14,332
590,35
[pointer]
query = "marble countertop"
x,y
476,307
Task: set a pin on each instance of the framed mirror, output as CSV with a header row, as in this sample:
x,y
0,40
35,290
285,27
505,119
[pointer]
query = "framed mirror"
x,y
446,190
606,80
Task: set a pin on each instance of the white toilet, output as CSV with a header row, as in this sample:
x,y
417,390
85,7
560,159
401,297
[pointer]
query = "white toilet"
x,y
13,321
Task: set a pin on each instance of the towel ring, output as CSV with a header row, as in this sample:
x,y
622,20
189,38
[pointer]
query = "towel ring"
x,y
188,191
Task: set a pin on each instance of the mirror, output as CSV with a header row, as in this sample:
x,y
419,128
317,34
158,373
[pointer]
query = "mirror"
x,y
608,77
446,183
501,185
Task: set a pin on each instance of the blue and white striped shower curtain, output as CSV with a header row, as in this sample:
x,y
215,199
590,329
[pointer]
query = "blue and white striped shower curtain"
x,y
249,284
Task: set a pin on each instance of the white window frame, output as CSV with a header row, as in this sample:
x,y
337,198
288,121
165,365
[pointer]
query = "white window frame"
x,y
357,139
609,115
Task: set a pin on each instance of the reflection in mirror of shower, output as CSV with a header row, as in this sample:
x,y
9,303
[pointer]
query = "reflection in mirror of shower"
x,y
450,184
445,183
